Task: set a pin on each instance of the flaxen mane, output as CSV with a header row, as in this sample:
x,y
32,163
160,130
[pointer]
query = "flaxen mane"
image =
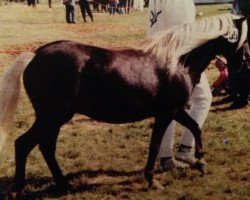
x,y
169,45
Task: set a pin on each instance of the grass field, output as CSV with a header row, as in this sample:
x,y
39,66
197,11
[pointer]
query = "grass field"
x,y
104,161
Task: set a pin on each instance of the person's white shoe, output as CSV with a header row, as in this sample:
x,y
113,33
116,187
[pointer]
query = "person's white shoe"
x,y
167,164
186,155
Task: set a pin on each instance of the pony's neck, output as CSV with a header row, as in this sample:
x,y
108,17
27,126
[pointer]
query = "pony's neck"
x,y
198,59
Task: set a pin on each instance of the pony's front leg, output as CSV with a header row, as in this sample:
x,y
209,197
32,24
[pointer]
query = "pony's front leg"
x,y
161,124
184,119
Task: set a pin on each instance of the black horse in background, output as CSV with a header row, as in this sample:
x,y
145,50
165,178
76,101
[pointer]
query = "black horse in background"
x,y
153,79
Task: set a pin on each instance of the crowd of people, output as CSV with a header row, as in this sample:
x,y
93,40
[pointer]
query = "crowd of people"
x,y
111,6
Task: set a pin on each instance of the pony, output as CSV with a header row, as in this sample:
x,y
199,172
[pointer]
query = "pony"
x,y
155,78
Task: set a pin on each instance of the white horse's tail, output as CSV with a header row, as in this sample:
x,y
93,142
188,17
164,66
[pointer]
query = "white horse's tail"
x,y
9,93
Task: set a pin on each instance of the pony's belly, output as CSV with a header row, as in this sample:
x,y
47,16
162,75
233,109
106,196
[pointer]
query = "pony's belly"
x,y
115,114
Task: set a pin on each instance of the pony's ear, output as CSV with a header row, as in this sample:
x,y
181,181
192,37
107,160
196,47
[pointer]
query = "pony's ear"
x,y
241,25
239,21
243,18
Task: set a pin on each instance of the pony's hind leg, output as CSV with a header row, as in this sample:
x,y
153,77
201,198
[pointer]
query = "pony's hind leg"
x,y
44,133
50,124
23,146
47,146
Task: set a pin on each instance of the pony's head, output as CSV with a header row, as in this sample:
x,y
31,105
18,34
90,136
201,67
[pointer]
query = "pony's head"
x,y
236,38
230,31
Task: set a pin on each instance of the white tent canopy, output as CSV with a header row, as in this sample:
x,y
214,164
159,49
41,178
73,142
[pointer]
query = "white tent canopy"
x,y
212,1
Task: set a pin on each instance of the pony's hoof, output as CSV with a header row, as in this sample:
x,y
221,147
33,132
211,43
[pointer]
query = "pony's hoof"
x,y
64,188
201,166
14,192
157,185
148,174
200,154
13,195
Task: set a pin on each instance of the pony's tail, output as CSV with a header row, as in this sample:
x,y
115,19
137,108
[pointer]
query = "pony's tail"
x,y
9,93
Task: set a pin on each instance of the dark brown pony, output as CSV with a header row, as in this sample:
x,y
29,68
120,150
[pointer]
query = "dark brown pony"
x,y
153,79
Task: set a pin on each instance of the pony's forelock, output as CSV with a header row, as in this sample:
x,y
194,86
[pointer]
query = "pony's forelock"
x,y
169,45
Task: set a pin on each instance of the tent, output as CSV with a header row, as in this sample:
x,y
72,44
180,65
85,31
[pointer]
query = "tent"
x,y
212,1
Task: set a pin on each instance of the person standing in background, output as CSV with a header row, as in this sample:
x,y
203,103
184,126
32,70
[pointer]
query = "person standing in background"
x,y
163,14
49,2
127,6
96,4
85,7
112,6
104,5
244,7
239,65
70,11
221,83
138,5
31,3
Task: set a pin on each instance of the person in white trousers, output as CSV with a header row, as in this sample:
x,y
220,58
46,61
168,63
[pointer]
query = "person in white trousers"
x,y
163,14
138,5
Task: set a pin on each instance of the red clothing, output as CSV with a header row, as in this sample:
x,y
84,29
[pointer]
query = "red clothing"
x,y
223,76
